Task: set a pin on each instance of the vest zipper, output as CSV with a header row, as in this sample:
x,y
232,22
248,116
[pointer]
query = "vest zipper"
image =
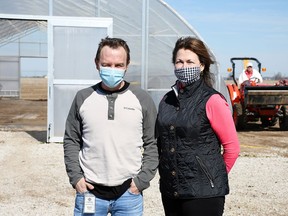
x,y
203,167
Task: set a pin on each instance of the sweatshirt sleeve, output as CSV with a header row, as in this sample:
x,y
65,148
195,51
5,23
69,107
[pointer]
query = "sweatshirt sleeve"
x,y
257,75
242,77
150,149
221,121
72,144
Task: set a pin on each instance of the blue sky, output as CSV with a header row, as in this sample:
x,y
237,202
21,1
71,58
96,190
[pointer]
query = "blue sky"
x,y
246,28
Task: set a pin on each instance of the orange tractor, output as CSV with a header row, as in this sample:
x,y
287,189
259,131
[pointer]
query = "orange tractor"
x,y
254,102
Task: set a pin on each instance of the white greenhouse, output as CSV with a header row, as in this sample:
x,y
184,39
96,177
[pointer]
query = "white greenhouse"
x,y
61,37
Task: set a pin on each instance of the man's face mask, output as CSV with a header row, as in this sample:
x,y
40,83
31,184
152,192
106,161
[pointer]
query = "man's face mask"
x,y
188,75
111,77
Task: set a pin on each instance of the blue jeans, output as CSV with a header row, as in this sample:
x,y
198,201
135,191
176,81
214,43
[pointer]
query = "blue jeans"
x,y
127,205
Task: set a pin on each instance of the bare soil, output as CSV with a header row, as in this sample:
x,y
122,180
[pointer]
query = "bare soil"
x,y
25,115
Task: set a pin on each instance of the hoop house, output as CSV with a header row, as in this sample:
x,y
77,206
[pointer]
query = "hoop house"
x,y
74,29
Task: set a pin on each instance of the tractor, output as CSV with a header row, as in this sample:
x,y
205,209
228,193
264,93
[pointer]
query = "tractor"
x,y
257,102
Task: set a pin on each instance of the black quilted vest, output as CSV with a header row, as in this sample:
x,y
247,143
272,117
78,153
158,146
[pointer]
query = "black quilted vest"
x,y
191,164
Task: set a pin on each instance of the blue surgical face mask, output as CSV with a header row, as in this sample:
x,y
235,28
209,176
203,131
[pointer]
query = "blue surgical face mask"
x,y
111,77
188,75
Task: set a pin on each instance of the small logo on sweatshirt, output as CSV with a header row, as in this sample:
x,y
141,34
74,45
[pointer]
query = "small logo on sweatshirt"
x,y
129,108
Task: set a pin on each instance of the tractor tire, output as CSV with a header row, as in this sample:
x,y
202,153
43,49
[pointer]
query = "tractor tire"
x,y
283,120
268,123
239,117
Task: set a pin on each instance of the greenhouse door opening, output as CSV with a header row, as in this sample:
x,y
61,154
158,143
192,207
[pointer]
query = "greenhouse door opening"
x,y
72,45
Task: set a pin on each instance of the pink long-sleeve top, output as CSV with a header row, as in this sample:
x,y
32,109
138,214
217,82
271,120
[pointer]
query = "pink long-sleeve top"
x,y
219,115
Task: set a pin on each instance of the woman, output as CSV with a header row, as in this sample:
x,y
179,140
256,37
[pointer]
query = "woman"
x,y
194,121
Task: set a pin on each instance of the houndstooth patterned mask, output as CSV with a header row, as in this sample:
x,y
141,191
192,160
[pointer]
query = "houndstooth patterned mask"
x,y
188,75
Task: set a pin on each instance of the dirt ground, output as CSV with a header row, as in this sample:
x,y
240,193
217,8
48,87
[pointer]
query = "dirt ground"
x,y
34,182
23,114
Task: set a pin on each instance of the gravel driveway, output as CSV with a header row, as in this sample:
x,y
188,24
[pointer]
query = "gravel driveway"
x,y
34,182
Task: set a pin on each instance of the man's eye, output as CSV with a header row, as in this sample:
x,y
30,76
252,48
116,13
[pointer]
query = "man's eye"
x,y
119,66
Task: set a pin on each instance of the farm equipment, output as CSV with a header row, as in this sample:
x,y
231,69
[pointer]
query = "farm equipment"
x,y
258,102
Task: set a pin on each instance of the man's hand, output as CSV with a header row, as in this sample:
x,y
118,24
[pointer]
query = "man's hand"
x,y
133,189
82,185
254,79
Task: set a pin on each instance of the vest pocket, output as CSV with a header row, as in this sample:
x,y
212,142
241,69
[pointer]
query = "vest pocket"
x,y
205,170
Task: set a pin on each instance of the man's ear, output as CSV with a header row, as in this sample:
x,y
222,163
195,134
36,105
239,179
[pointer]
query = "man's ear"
x,y
97,66
127,66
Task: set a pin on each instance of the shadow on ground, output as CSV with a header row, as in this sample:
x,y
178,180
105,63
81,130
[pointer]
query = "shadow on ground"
x,y
256,126
41,136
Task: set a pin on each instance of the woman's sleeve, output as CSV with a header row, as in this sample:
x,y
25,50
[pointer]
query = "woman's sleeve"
x,y
220,117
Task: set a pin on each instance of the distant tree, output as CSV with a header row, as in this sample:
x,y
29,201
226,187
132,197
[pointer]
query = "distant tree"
x,y
278,76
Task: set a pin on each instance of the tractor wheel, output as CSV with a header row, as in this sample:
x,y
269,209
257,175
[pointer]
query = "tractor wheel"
x,y
283,120
268,123
239,117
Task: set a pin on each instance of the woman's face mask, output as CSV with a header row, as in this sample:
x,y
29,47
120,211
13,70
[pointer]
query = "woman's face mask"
x,y
188,75
111,77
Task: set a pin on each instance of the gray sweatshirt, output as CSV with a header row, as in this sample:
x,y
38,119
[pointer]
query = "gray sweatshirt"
x,y
109,137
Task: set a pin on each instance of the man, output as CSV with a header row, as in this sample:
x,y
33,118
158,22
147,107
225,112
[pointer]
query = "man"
x,y
110,150
250,74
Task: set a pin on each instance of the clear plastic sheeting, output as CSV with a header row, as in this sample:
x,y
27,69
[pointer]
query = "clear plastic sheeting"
x,y
11,29
25,7
9,77
150,27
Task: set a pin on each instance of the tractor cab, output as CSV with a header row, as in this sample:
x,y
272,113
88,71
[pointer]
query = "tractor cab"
x,y
252,100
248,63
